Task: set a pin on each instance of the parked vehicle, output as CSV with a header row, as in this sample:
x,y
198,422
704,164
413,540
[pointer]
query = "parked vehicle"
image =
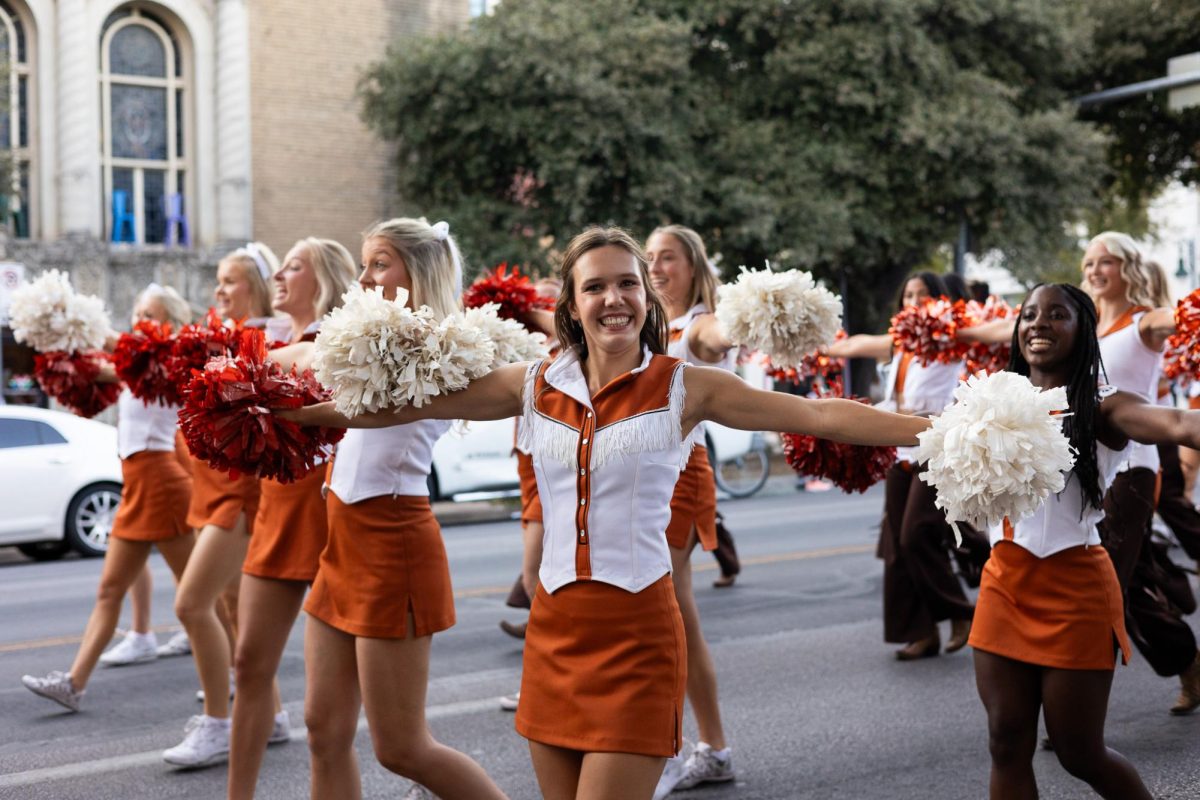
x,y
60,482
475,460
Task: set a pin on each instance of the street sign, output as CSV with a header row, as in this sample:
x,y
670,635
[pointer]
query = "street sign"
x,y
12,274
1185,96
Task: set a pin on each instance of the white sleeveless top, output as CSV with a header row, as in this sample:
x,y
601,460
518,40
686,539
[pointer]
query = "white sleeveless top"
x,y
1066,519
142,426
680,329
927,389
385,461
1133,367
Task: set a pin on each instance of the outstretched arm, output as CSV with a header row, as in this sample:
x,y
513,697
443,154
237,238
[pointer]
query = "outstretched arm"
x,y
494,396
862,345
1151,424
1155,326
299,355
998,331
725,398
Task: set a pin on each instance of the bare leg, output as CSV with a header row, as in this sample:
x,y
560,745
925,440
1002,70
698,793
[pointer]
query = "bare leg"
x,y
331,704
139,600
1011,694
215,561
122,563
557,770
268,610
1189,463
701,672
618,776
393,674
1076,703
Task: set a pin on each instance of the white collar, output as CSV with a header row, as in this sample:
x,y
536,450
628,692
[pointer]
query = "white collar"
x,y
565,373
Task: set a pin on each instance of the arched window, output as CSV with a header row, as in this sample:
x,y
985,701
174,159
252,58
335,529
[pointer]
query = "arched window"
x,y
142,93
15,138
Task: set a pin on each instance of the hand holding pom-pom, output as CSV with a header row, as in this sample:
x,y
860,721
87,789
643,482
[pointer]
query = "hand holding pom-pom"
x,y
512,293
195,344
71,379
784,314
998,452
227,420
927,330
143,361
48,315
1181,359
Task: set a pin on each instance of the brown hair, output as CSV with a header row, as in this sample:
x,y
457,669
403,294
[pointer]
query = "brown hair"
x,y
704,278
569,331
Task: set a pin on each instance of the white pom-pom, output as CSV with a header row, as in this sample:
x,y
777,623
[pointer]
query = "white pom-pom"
x,y
370,352
786,314
460,353
48,315
514,342
998,452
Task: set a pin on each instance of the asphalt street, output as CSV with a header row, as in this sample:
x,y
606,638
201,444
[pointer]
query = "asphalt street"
x,y
814,703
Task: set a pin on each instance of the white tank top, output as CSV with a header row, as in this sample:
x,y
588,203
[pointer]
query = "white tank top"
x,y
1133,367
927,390
383,461
680,329
144,427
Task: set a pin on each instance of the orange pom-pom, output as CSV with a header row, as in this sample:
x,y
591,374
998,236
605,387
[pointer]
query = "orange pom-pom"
x,y
928,330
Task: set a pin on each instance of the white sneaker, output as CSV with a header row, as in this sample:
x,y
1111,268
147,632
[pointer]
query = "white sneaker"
x,y
232,688
282,732
177,645
205,742
706,765
672,773
509,702
135,648
419,792
56,686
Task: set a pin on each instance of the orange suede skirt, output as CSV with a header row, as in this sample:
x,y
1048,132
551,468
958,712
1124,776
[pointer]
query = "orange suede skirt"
x,y
531,502
605,669
154,498
385,560
290,529
694,503
219,500
1064,611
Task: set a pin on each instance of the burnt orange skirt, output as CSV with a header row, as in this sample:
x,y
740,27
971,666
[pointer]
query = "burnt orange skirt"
x,y
605,669
1063,611
694,503
154,498
181,453
219,500
384,560
531,501
290,529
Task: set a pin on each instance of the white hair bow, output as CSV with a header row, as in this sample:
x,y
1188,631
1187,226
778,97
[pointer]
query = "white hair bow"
x,y
251,249
441,230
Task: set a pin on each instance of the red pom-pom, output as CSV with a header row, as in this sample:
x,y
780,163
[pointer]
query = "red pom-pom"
x,y
1181,359
70,378
512,291
927,330
142,361
195,344
987,358
227,421
813,365
850,467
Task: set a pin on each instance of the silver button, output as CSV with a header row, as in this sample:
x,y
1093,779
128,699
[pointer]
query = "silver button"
x,y
582,501
589,415
585,441
583,472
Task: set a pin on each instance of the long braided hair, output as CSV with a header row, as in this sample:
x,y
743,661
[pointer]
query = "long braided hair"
x,y
1086,368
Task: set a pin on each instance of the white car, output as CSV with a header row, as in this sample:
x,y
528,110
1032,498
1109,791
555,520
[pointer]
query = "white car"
x,y
60,482
475,460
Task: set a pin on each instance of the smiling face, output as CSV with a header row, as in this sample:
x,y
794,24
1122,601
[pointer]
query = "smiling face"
x,y
234,296
1102,273
1048,328
382,266
608,299
295,284
671,273
915,291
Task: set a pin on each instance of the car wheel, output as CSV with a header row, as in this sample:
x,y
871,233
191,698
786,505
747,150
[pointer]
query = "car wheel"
x,y
45,551
432,483
90,518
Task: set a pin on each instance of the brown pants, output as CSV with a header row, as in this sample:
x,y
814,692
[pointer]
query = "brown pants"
x,y
1128,509
1177,511
919,586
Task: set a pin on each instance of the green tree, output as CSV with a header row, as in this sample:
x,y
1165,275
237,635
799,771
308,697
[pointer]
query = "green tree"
x,y
846,136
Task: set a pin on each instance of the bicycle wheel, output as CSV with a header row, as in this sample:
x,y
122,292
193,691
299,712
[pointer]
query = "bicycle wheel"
x,y
744,475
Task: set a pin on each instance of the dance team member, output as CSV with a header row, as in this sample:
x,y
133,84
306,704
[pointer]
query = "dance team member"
x,y
383,585
1049,610
685,283
289,530
152,513
222,511
609,423
919,585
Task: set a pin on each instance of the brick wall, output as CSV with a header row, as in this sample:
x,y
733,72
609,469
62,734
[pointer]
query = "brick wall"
x,y
316,169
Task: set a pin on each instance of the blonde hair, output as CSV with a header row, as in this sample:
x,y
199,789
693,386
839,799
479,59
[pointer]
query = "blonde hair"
x,y
431,258
260,288
334,269
1160,289
1123,247
179,313
570,331
704,278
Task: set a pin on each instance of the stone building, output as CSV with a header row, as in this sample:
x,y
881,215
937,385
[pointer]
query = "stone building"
x,y
239,117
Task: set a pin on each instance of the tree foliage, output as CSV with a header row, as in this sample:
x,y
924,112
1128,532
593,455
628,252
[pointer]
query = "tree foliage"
x,y
847,136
